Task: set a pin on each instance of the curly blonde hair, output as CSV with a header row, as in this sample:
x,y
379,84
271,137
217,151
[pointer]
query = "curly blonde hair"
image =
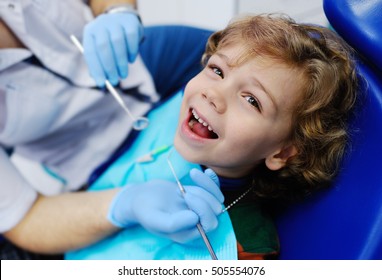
x,y
320,119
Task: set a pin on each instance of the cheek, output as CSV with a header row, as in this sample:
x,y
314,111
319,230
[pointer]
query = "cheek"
x,y
257,140
190,90
197,83
194,83
243,129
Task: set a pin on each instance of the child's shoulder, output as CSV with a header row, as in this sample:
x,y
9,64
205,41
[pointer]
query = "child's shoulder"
x,y
255,231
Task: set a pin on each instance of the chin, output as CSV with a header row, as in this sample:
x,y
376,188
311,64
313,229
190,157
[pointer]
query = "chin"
x,y
186,151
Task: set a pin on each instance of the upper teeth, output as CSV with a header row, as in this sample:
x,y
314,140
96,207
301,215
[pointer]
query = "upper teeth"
x,y
201,120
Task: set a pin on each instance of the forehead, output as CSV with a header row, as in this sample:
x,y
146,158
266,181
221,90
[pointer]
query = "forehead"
x,y
235,52
258,36
236,55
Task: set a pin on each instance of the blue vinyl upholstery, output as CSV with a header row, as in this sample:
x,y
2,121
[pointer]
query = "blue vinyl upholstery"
x,y
172,54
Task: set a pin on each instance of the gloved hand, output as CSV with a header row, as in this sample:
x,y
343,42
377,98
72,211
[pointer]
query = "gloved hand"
x,y
110,41
160,208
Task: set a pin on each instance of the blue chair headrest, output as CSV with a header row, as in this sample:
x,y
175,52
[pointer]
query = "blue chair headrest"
x,y
359,22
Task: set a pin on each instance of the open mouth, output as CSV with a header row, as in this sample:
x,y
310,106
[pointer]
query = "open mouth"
x,y
200,127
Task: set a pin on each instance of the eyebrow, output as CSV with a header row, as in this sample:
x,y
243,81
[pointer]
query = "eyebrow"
x,y
267,92
225,58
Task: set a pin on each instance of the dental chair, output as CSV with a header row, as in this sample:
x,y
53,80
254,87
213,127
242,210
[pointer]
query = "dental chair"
x,y
344,222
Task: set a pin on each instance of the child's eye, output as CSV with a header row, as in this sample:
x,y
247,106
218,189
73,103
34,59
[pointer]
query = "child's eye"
x,y
217,71
253,101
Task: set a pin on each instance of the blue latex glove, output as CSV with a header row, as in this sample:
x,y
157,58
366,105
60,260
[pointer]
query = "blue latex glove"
x,y
160,208
110,41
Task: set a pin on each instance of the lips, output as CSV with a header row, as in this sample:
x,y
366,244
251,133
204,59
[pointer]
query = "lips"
x,y
200,127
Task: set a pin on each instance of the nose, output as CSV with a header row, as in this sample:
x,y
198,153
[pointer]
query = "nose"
x,y
215,99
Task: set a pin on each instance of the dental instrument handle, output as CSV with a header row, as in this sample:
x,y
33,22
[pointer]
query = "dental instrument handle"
x,y
139,123
206,241
182,190
198,225
77,43
117,97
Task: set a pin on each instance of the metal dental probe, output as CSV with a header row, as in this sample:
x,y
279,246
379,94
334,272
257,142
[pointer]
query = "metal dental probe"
x,y
198,225
139,123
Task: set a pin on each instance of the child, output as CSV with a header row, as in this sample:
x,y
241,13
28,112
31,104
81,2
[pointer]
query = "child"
x,y
268,114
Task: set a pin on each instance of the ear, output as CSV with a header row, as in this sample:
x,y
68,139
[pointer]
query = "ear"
x,y
278,159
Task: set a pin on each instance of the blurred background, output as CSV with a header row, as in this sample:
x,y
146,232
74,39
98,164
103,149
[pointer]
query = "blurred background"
x,y
215,14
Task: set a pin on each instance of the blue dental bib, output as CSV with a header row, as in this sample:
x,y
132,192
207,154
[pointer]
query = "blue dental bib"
x,y
136,243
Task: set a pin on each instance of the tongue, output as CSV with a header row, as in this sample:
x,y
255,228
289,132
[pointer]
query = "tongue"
x,y
202,130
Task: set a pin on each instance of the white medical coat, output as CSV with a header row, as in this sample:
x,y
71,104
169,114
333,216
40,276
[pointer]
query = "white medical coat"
x,y
54,115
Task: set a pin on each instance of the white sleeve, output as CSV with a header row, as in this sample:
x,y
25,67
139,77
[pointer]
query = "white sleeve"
x,y
16,195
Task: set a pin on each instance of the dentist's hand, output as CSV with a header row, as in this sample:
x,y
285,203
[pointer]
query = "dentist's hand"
x,y
160,208
110,42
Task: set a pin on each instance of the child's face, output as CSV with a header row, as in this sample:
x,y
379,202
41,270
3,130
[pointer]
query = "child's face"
x,y
248,107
